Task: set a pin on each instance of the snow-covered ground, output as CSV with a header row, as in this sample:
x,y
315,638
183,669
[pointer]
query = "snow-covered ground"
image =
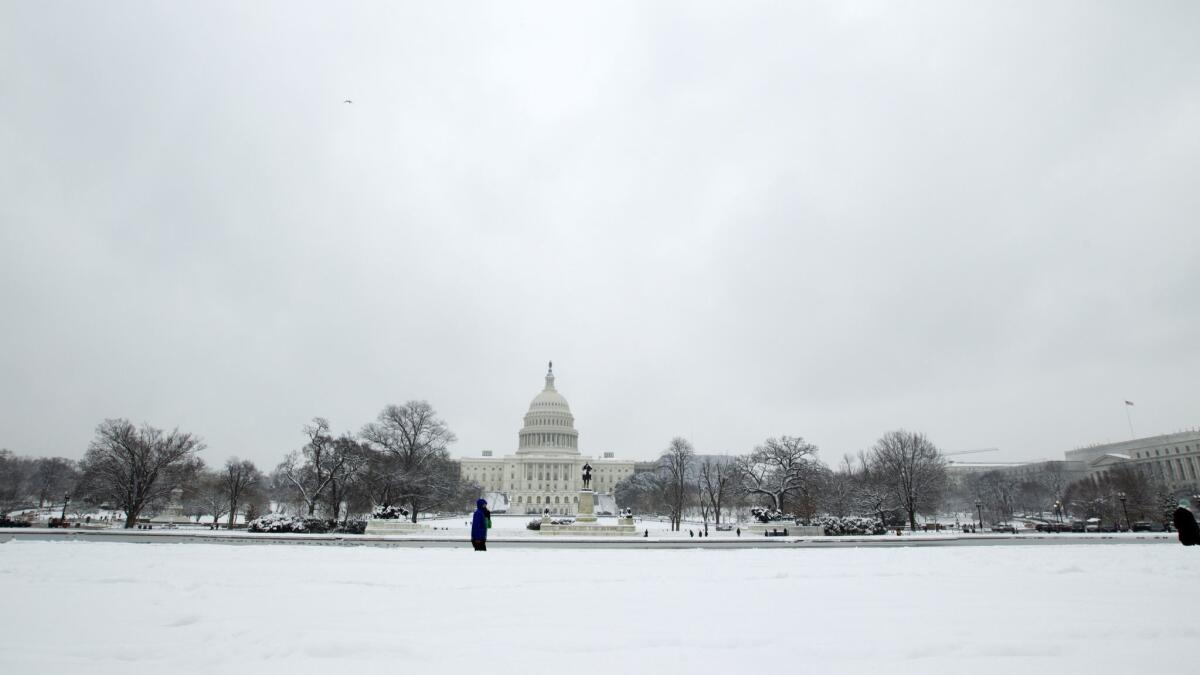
x,y
76,607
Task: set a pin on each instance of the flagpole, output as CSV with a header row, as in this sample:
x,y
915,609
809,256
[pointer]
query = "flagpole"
x,y
1129,418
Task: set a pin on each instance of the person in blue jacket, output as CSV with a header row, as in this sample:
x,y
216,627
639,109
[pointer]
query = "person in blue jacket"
x,y
480,522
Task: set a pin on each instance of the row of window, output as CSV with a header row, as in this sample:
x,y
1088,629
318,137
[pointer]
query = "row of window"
x,y
548,422
1165,451
537,499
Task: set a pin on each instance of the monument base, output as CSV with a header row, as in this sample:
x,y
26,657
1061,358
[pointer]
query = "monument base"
x,y
585,521
590,529
393,526
587,507
785,529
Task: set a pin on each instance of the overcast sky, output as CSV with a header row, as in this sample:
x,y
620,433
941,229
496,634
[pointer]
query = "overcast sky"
x,y
721,221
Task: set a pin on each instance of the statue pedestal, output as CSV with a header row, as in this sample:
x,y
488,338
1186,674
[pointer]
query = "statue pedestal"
x,y
587,507
585,521
784,528
172,514
385,526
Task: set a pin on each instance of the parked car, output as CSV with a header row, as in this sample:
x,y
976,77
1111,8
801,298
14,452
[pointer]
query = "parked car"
x,y
1142,526
1004,527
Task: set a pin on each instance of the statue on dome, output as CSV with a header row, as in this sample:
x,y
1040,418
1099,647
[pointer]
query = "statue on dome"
x,y
587,475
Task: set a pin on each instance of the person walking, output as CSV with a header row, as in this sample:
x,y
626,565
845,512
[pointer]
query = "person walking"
x,y
1185,525
481,521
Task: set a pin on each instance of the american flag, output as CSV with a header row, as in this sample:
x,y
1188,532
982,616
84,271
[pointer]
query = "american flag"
x,y
1128,402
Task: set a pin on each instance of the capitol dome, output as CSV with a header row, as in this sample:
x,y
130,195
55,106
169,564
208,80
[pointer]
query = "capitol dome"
x,y
549,427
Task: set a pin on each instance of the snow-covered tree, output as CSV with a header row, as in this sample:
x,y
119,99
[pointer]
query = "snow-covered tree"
x,y
778,469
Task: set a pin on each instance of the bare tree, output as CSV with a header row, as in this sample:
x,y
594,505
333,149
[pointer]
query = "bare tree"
x,y
779,468
418,439
133,468
717,480
14,481
311,470
207,497
675,463
239,479
52,477
911,469
644,491
840,493
355,458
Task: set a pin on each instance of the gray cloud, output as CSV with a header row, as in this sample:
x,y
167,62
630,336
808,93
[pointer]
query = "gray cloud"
x,y
972,219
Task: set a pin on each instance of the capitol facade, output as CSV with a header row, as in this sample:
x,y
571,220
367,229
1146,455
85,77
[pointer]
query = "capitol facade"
x,y
546,470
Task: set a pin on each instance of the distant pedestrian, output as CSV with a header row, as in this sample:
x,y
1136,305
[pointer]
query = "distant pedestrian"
x,y
1185,524
647,535
691,534
739,531
481,521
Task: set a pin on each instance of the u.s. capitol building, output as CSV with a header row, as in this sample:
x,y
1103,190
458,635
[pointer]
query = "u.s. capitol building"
x,y
546,470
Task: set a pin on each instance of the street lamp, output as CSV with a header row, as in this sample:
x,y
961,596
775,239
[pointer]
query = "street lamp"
x,y
1121,496
63,519
979,507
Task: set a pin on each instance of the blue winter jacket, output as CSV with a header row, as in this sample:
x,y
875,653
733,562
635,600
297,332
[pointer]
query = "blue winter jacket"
x,y
479,521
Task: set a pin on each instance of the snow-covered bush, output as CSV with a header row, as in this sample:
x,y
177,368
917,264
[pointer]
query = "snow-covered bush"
x,y
849,525
352,527
384,512
765,515
278,522
536,523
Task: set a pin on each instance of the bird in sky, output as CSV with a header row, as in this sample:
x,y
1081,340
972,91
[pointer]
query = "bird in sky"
x,y
347,101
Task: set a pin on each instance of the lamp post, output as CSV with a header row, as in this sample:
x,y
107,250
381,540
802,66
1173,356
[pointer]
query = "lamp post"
x,y
1121,496
979,507
63,519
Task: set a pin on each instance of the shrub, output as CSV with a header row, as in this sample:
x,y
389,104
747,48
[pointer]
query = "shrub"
x,y
387,512
849,525
536,523
280,523
352,527
765,515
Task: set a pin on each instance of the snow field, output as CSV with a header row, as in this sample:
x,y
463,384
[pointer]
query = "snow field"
x,y
83,607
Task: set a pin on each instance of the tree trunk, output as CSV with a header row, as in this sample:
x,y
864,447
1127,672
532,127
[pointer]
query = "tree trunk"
x,y
232,513
130,519
912,519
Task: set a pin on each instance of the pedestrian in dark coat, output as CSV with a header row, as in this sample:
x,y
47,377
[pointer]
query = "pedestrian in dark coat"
x,y
1185,524
480,522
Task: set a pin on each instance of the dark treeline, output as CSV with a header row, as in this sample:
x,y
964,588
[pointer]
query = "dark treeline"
x,y
400,459
902,476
